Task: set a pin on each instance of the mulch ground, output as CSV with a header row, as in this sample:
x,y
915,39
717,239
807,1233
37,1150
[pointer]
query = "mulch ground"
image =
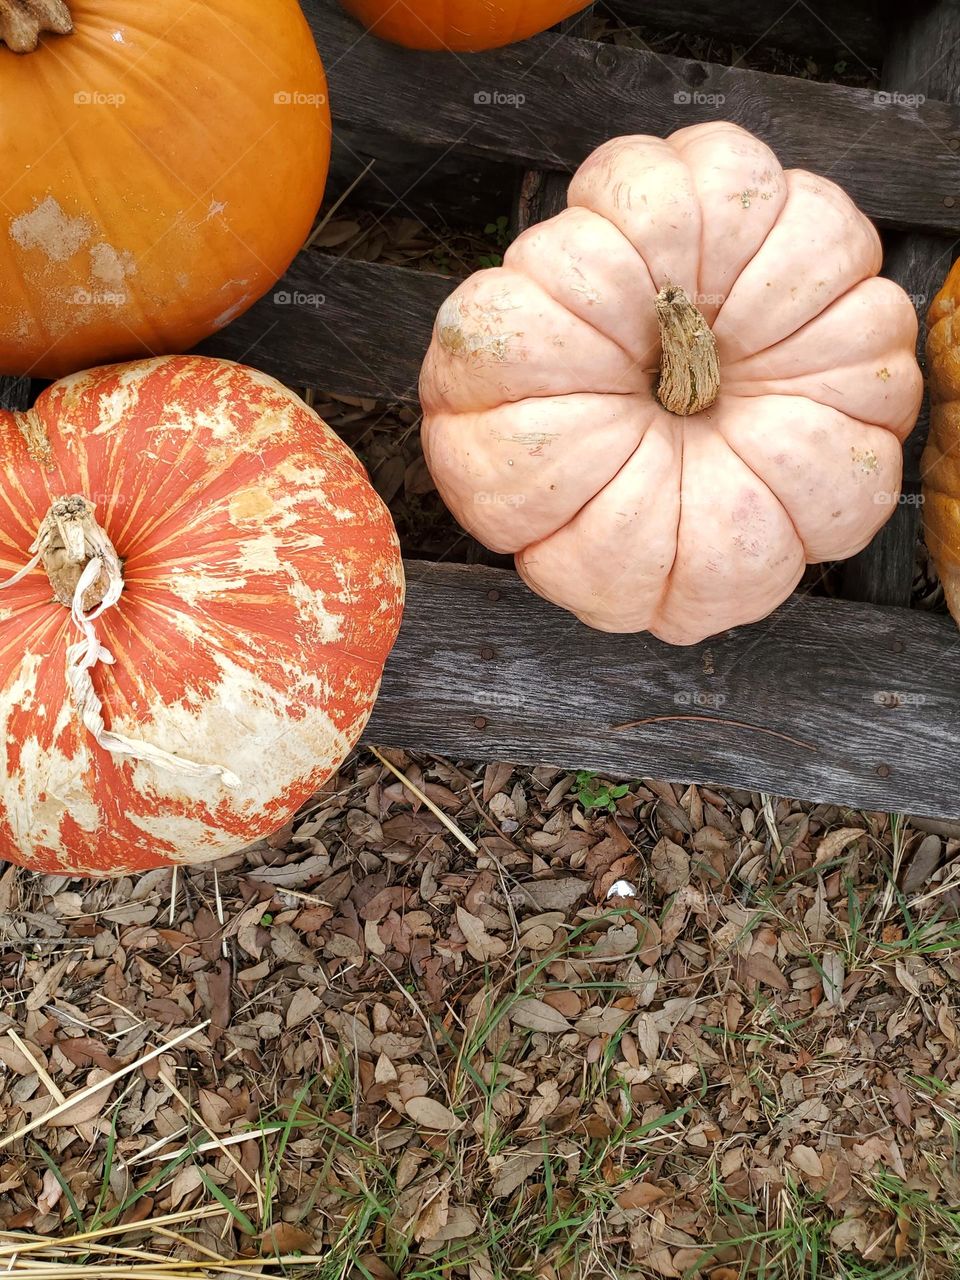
x,y
641,1031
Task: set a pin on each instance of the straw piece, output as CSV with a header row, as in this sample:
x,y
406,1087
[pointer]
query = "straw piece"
x,y
51,1085
30,1243
83,1094
434,809
156,1152
217,1142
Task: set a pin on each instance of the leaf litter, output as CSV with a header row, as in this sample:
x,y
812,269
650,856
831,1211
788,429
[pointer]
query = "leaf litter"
x,y
399,1060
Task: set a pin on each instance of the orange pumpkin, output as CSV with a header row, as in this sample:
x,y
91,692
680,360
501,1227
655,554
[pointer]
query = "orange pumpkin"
x,y
462,26
162,164
940,464
235,586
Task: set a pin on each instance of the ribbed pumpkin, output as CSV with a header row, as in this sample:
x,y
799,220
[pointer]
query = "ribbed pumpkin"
x,y
262,590
462,26
940,464
162,164
679,391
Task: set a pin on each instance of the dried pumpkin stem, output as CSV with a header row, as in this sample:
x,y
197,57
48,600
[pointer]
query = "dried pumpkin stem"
x,y
69,539
86,575
23,21
690,367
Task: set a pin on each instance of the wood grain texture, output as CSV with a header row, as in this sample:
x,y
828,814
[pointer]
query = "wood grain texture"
x,y
852,32
835,701
411,180
15,393
923,59
352,328
895,159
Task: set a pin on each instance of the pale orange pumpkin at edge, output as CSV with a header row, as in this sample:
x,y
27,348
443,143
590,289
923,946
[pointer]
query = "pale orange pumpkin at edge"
x,y
162,166
461,26
263,593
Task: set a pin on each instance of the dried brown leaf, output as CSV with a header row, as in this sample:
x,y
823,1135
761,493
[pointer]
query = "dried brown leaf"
x,y
834,843
671,866
480,944
303,1006
537,1015
807,1161
553,895
764,970
430,1114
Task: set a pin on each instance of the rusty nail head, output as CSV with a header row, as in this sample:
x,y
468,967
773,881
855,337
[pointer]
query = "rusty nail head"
x,y
486,653
480,722
883,770
948,202
493,595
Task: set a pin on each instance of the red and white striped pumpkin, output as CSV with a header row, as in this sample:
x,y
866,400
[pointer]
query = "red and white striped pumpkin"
x,y
262,593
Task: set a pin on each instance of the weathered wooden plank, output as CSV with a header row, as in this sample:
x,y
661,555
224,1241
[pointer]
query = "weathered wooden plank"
x,y
550,101
542,194
852,31
15,393
352,328
410,179
829,700
923,59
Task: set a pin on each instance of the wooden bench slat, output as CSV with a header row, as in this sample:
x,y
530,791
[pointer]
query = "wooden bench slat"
x,y
893,158
352,328
794,705
852,32
15,393
923,59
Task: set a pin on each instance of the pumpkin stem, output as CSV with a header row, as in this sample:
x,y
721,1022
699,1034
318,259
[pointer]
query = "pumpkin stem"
x,y
69,539
690,367
86,575
22,21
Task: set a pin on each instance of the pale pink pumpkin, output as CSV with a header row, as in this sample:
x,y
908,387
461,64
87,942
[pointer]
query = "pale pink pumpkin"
x,y
542,423
262,593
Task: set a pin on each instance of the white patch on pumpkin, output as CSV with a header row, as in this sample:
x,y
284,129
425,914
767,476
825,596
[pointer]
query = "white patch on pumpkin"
x,y
112,408
47,784
110,267
22,691
459,335
267,748
259,555
48,228
195,841
198,583
231,313
310,604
